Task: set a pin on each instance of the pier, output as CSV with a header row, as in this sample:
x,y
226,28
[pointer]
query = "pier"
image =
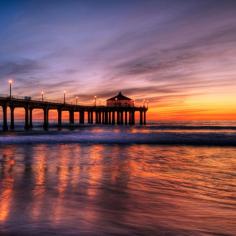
x,y
113,114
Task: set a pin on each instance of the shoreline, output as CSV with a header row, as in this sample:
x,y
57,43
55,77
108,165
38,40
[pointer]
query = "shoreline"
x,y
89,136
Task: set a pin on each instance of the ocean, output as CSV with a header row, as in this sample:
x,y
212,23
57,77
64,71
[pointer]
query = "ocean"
x,y
161,179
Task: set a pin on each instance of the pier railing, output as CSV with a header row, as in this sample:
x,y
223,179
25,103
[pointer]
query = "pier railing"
x,y
69,101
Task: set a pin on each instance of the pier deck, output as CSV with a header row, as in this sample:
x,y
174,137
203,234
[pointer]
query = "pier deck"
x,y
108,115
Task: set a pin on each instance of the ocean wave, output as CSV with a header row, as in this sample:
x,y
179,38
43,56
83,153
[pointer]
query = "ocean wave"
x,y
189,127
170,138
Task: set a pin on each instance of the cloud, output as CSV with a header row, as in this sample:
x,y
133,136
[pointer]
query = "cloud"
x,y
19,67
159,50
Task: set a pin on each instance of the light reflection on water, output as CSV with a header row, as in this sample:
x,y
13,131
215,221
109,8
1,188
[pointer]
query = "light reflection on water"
x,y
71,189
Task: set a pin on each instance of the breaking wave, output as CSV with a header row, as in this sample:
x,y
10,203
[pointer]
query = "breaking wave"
x,y
122,137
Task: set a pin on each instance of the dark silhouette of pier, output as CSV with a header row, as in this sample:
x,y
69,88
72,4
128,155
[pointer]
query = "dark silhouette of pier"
x,y
107,115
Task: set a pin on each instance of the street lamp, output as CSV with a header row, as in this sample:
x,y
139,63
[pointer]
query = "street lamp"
x,y
95,101
76,100
10,83
42,95
144,102
64,96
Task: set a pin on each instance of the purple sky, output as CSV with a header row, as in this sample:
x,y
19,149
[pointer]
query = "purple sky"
x,y
170,52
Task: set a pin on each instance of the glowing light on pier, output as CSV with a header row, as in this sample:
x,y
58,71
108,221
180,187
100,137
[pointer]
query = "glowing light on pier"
x,y
64,96
10,85
95,100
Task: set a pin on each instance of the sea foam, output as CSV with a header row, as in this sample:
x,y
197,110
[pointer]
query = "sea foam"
x,y
122,137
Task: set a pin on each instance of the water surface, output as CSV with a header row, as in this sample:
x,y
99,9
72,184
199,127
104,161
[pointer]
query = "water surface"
x,y
117,189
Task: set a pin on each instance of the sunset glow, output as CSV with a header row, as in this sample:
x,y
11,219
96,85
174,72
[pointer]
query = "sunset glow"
x,y
180,56
117,117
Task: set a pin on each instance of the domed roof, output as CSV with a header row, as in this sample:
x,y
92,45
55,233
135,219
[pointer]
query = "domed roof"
x,y
119,96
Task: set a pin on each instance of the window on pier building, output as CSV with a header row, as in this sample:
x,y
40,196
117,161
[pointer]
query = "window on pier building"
x,y
120,101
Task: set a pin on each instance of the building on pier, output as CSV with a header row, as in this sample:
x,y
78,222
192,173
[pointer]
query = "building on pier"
x,y
120,101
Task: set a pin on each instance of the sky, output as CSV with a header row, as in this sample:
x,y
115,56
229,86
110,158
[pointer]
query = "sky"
x,y
180,55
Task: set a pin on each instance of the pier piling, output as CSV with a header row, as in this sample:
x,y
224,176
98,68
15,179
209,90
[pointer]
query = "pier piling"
x,y
107,115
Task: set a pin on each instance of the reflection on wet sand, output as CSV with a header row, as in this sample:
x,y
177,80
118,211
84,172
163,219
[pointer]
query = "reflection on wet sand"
x,y
7,183
39,171
129,189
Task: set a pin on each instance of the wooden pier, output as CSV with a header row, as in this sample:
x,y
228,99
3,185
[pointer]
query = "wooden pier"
x,y
107,115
